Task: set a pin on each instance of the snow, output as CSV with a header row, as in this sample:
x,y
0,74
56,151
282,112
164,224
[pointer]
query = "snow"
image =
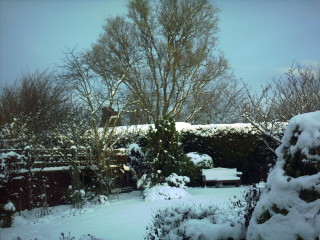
x,y
9,207
201,160
204,229
125,218
177,181
134,147
164,192
10,154
203,130
289,215
220,174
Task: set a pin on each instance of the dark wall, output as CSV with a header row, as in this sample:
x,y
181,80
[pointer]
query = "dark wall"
x,y
17,189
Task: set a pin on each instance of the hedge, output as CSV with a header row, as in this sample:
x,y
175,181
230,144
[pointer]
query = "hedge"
x,y
229,146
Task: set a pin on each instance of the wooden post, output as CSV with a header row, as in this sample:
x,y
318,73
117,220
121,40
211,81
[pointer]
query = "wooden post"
x,y
29,177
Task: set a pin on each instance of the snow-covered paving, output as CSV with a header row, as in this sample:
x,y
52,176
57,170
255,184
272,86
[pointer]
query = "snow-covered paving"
x,y
125,218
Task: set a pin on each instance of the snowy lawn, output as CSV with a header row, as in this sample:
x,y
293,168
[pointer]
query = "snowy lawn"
x,y
125,218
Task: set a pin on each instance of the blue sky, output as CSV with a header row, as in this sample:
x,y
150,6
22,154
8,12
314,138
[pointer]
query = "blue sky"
x,y
260,38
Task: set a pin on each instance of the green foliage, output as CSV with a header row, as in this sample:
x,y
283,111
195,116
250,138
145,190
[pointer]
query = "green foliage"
x,y
266,215
137,161
309,195
165,150
278,210
301,164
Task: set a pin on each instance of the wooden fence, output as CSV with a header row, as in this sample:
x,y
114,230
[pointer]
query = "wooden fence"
x,y
54,164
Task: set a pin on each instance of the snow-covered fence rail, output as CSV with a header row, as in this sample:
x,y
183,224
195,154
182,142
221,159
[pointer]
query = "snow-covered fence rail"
x,y
40,158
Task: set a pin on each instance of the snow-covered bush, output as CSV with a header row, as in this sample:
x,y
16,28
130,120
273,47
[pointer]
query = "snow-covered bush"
x,y
100,199
145,181
6,215
290,205
194,222
94,181
137,161
201,160
164,192
77,198
177,181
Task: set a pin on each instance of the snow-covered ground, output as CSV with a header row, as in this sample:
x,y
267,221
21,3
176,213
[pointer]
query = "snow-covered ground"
x,y
124,218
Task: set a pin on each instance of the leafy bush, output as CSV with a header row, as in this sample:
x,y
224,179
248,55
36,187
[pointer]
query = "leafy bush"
x,y
202,161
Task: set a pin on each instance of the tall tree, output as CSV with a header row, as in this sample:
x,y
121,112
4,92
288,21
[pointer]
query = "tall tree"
x,y
166,52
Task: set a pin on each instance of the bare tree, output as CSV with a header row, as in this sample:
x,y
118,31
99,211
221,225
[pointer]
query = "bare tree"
x,y
95,92
260,111
298,92
35,98
295,93
166,52
220,103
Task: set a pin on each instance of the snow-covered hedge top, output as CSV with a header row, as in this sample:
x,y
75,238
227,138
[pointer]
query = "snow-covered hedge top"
x,y
201,130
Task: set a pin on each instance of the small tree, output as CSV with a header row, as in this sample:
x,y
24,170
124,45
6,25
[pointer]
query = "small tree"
x,y
93,91
165,150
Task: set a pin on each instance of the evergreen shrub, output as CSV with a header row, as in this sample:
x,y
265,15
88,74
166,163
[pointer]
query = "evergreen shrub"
x,y
165,151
